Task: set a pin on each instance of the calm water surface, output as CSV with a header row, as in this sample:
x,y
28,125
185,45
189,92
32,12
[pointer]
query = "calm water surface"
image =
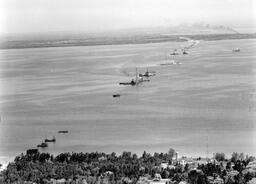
x,y
211,96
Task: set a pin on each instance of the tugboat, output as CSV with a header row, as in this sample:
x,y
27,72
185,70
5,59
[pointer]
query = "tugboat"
x,y
50,140
42,145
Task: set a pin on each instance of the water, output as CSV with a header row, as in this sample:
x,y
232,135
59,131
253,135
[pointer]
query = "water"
x,y
211,96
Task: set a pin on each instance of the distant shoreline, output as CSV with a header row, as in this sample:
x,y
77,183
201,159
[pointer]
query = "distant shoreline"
x,y
97,41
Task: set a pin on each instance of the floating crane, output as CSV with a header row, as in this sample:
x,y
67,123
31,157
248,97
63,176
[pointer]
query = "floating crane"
x,y
136,81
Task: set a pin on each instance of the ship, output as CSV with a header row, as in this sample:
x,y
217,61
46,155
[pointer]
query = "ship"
x,y
116,95
50,140
42,145
236,50
175,52
184,52
173,62
136,81
147,74
62,131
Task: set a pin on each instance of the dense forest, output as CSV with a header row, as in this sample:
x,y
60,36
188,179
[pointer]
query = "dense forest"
x,y
95,167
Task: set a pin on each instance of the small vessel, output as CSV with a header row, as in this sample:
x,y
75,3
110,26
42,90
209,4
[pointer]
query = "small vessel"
x,y
50,140
62,131
184,52
147,74
42,145
172,63
116,95
175,52
236,50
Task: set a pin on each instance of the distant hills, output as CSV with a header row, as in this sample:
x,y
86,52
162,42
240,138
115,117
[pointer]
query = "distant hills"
x,y
200,31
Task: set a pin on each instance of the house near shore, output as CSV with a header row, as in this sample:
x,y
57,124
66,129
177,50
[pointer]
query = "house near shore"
x,y
202,161
102,158
162,181
194,161
108,173
164,165
158,180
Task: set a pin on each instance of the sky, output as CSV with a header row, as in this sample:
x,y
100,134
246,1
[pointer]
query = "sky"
x,y
25,16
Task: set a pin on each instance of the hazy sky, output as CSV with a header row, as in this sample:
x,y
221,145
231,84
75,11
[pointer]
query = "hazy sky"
x,y
21,16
